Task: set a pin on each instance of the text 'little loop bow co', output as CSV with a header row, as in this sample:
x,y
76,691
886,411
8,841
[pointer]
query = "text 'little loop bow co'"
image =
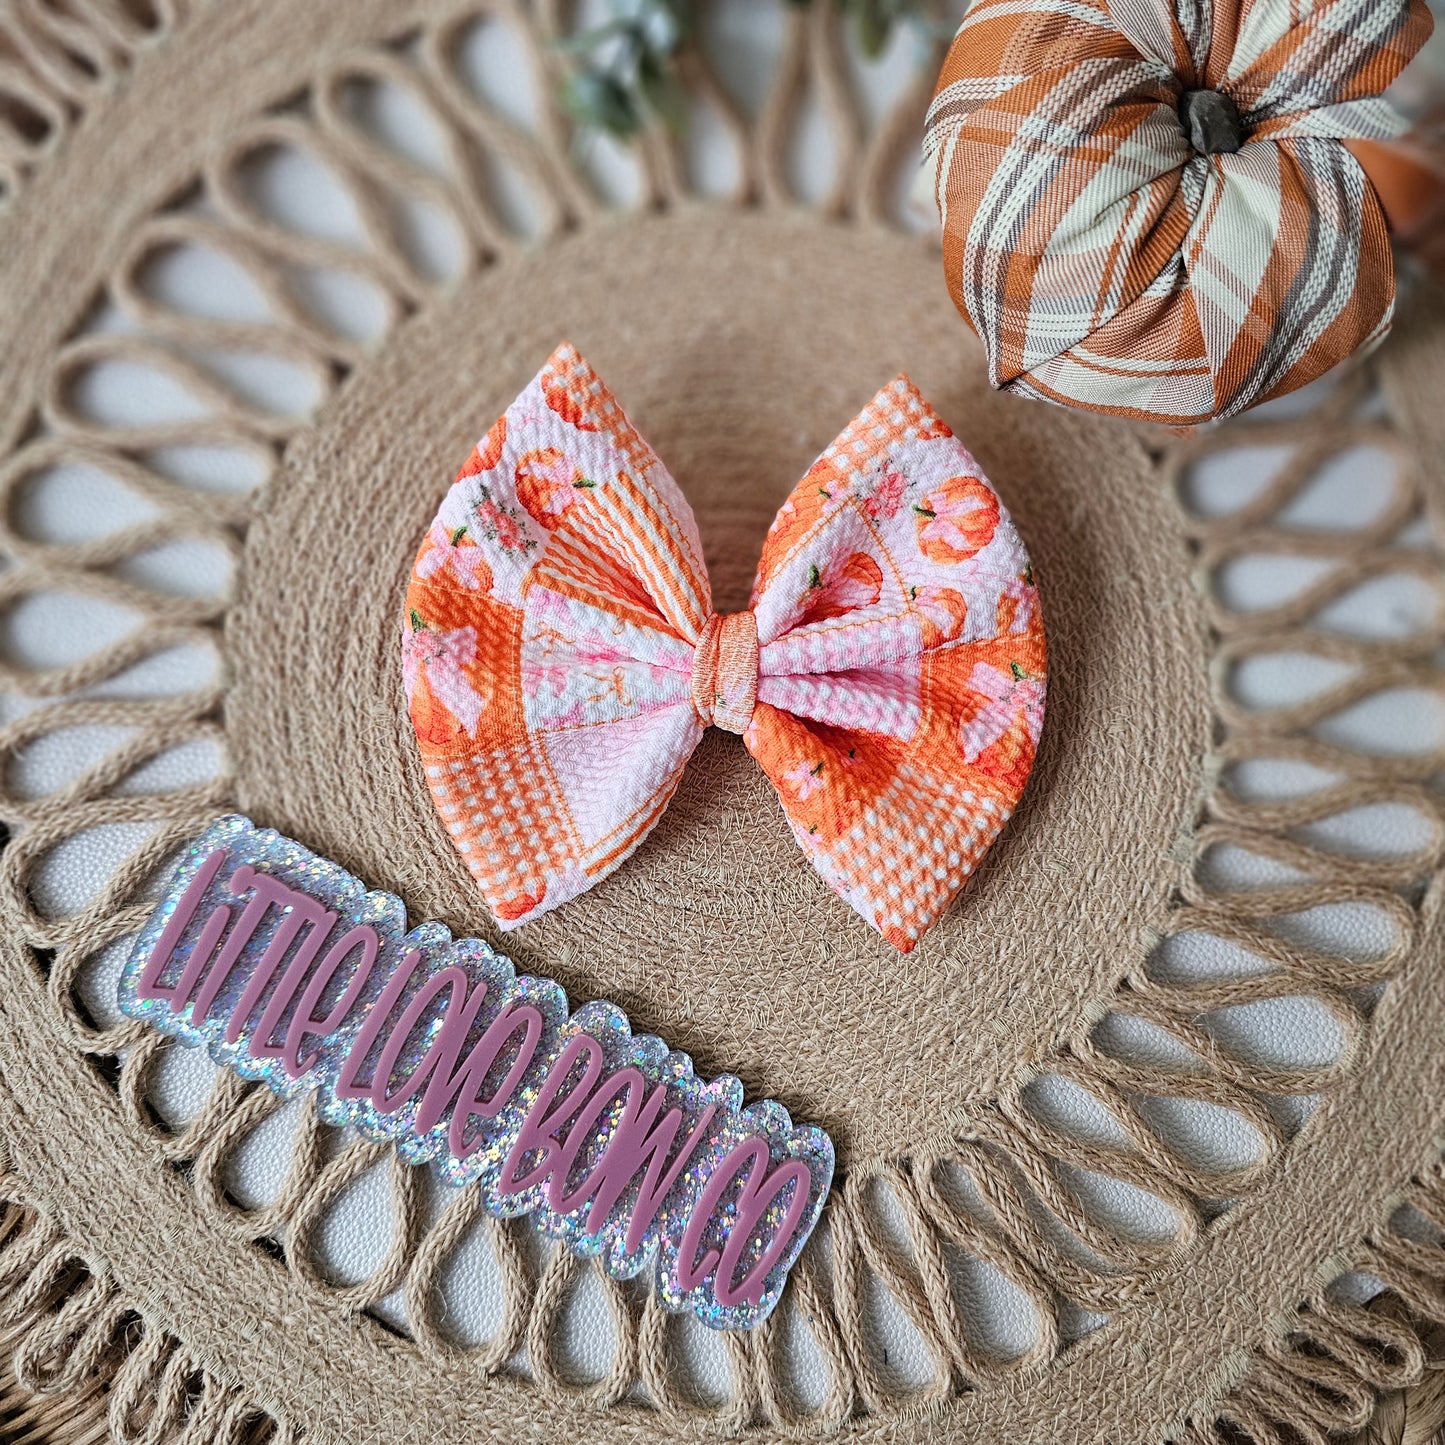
x,y
287,969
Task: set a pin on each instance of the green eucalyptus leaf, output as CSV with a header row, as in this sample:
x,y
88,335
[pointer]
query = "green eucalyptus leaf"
x,y
601,102
684,14
586,41
626,65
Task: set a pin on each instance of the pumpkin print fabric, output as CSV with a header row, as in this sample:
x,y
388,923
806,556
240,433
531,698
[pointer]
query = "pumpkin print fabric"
x,y
1156,208
561,656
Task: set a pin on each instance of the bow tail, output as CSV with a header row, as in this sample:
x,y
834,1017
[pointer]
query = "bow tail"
x,y
553,616
611,786
540,821
895,818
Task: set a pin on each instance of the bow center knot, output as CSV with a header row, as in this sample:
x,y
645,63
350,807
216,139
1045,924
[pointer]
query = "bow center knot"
x,y
725,671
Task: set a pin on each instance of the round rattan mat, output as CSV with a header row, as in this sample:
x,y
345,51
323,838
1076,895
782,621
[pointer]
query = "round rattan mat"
x,y
720,925
741,332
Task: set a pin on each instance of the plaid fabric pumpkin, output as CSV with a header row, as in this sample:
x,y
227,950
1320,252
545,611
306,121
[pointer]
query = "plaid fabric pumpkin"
x,y
1152,207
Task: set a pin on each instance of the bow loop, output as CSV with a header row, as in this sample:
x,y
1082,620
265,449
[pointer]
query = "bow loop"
x,y
562,659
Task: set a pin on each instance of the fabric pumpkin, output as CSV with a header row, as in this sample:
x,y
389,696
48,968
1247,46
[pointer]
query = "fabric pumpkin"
x,y
1152,208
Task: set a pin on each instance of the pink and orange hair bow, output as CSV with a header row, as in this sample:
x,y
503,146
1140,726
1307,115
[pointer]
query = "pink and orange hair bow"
x,y
562,656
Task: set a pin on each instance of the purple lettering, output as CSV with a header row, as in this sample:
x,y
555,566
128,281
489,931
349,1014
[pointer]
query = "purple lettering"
x,y
370,1031
547,1115
265,892
461,1009
447,1081
206,945
638,1139
758,1192
304,1023
302,912
467,1083
625,1085
565,1116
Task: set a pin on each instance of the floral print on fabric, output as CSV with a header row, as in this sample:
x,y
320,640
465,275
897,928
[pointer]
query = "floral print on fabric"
x,y
443,699
559,626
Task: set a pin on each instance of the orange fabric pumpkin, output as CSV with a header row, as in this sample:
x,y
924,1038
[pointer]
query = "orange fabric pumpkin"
x,y
1151,208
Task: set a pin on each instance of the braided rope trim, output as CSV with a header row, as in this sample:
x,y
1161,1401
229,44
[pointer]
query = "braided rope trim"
x,y
54,61
71,1335
1326,1373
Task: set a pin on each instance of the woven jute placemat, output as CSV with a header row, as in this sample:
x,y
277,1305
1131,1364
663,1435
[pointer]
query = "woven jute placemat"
x,y
741,332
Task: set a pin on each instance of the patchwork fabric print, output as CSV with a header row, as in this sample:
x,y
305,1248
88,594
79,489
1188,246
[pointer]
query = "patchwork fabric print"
x,y
1118,245
561,655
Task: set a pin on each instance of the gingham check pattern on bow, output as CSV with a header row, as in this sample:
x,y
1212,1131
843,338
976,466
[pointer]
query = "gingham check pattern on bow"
x,y
1104,263
561,654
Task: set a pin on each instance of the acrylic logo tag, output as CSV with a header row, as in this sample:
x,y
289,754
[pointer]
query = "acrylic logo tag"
x,y
289,970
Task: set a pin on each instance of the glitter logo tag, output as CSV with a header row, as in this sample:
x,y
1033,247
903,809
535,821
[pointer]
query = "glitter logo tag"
x,y
288,969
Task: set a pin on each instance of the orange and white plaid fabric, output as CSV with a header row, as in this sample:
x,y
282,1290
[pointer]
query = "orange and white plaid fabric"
x,y
1104,262
561,654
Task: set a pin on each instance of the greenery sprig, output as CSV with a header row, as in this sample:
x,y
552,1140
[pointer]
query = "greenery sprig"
x,y
625,72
